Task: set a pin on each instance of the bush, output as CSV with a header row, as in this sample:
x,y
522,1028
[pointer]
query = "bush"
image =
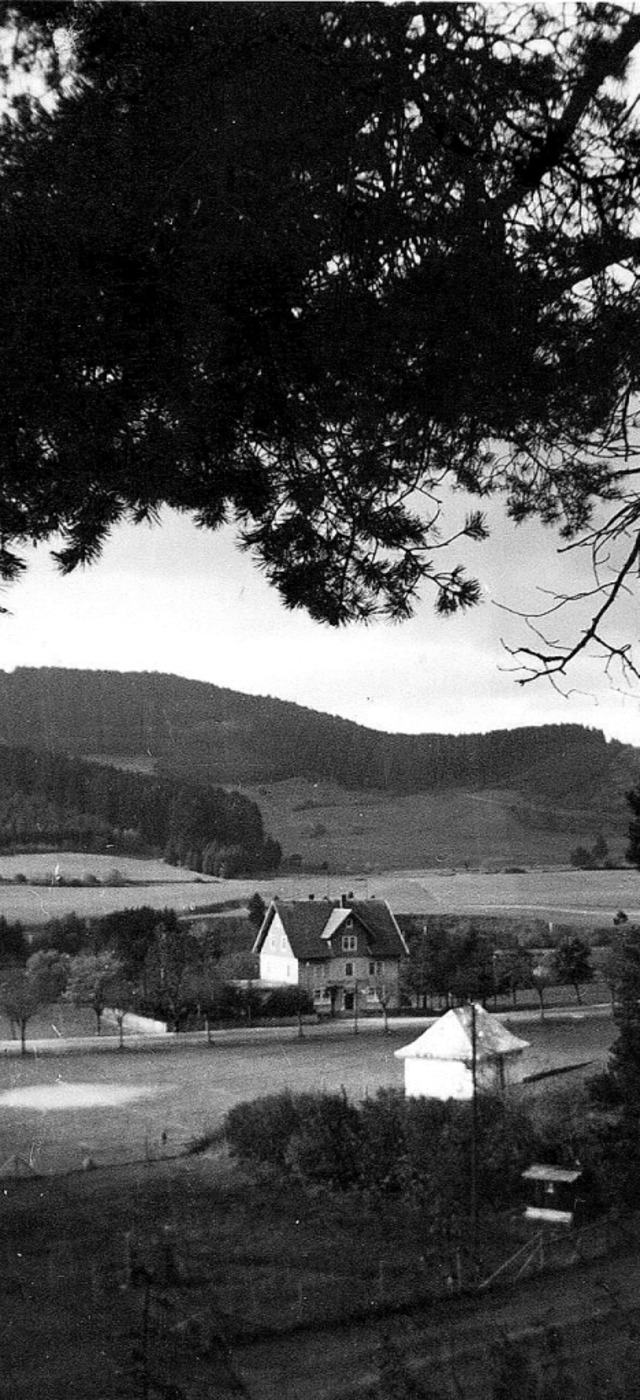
x,y
325,1148
384,1158
287,1001
260,1132
581,858
388,1145
603,1091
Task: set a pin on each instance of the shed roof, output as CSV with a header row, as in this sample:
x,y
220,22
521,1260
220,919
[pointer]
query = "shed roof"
x,y
542,1173
451,1038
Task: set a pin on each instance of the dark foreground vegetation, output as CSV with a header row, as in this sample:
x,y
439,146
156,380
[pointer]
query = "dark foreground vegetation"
x,y
181,1273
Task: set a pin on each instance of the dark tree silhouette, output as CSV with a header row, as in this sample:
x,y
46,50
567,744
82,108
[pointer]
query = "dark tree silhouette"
x,y
304,268
572,963
633,849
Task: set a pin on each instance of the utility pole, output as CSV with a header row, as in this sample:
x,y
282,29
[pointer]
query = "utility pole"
x,y
474,1136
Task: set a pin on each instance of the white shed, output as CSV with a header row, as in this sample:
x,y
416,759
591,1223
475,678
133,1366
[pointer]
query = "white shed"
x,y
439,1064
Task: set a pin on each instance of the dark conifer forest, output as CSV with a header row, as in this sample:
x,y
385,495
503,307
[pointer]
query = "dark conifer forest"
x,y
184,731
48,799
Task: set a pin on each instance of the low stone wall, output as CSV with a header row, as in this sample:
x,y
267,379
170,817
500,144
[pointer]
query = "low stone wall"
x,y
132,1024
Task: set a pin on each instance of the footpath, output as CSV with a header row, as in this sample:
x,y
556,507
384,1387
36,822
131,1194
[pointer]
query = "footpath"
x,y
109,1043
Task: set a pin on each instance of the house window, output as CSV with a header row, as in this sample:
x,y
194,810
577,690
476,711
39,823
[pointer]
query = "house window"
x,y
283,941
348,969
348,923
349,943
372,969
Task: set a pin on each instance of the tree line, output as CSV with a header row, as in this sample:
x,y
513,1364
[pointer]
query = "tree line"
x,y
143,961
48,799
453,960
158,966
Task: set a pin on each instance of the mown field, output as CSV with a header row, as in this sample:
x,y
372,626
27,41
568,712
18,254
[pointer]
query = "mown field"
x,y
584,898
184,1092
75,865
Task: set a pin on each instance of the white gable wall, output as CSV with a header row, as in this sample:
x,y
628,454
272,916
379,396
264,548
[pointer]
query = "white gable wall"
x,y
453,1079
278,965
437,1079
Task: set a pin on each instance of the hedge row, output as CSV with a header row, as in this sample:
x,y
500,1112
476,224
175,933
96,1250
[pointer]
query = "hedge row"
x,y
388,1144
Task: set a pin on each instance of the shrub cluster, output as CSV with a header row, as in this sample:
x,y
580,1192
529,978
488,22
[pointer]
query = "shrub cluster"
x,y
388,1144
286,1001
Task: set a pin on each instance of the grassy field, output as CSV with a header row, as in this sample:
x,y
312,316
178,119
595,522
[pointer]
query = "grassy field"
x,y
185,1092
74,865
353,830
584,898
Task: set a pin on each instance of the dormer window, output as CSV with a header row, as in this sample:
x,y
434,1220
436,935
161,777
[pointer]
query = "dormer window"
x,y
349,943
348,922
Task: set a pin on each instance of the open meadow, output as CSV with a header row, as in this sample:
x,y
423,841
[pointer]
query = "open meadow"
x,y
116,1107
379,829
586,898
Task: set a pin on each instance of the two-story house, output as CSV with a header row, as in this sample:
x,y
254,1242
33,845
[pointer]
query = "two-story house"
x,y
336,951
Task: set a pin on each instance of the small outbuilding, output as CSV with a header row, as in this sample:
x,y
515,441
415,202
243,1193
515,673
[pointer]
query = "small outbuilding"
x,y
440,1063
556,1195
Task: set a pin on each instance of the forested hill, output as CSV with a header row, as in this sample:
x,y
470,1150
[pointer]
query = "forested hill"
x,y
194,730
49,800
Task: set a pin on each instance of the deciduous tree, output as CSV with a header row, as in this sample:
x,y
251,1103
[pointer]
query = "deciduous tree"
x,y
92,977
543,975
24,990
572,963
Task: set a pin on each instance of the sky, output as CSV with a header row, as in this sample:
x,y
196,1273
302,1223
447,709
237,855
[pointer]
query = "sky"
x,y
178,600
181,601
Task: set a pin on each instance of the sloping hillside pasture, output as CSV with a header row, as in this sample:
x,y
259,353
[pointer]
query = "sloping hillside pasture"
x,y
185,1093
382,830
75,865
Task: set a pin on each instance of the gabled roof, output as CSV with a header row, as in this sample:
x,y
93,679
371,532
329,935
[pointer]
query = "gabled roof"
x,y
451,1038
310,924
386,938
303,922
